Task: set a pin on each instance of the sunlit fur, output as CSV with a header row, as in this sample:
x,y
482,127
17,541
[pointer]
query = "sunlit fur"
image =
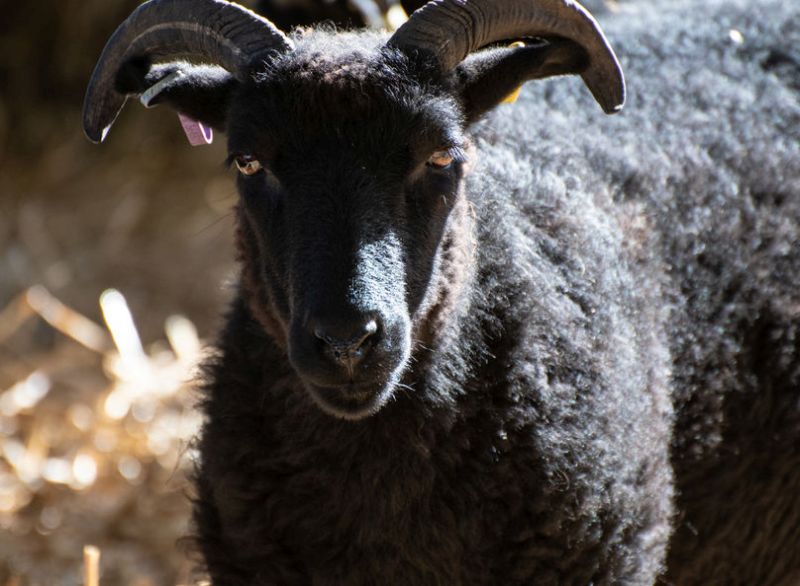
x,y
595,377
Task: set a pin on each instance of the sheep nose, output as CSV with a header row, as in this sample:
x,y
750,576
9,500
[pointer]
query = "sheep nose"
x,y
346,343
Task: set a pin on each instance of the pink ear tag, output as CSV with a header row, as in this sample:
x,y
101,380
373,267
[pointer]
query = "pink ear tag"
x,y
197,132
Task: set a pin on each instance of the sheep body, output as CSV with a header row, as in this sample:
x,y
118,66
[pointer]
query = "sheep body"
x,y
606,389
704,172
518,450
715,167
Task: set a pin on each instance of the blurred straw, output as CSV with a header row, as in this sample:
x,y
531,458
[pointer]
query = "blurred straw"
x,y
14,315
91,566
45,459
370,12
120,323
395,17
183,338
38,300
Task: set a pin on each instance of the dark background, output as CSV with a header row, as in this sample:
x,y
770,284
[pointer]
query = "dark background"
x,y
144,213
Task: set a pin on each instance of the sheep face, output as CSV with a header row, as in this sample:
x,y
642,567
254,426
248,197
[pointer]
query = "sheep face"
x,y
359,165
352,151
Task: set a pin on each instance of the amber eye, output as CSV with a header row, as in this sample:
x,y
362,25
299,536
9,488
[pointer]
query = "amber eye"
x,y
247,164
440,159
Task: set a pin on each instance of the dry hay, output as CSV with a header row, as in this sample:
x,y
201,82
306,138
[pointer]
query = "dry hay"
x,y
95,447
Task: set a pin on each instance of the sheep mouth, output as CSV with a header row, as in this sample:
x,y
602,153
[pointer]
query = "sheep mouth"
x,y
351,401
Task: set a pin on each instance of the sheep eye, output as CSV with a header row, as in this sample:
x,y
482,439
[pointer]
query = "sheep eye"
x,y
440,159
247,164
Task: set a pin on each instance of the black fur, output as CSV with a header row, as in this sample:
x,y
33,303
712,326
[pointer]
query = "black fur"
x,y
590,361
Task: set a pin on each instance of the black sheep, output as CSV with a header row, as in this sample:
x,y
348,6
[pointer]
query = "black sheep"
x,y
497,345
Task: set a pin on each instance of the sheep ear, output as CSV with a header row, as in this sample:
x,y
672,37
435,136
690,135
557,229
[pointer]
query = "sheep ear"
x,y
488,78
201,92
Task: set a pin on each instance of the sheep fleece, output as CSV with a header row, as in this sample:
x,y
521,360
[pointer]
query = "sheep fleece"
x,y
617,395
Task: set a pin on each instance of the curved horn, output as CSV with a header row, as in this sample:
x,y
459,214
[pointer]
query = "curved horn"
x,y
220,32
451,29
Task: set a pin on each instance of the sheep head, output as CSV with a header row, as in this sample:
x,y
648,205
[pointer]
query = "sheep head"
x,y
351,152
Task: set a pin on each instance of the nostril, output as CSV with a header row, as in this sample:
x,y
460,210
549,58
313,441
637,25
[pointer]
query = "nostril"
x,y
346,343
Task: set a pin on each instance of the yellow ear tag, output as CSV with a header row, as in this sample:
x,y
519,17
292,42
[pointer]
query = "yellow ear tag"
x,y
512,97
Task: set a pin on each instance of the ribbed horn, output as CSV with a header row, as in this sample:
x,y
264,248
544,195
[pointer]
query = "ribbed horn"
x,y
452,29
216,31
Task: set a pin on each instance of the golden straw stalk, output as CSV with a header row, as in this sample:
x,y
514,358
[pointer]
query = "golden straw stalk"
x,y
91,566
